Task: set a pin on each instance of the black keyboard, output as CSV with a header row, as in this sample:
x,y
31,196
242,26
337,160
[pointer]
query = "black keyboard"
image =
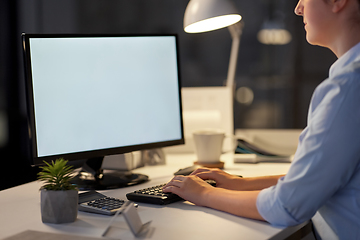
x,y
155,195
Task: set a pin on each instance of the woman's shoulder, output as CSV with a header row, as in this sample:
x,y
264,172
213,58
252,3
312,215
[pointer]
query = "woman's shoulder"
x,y
348,77
349,73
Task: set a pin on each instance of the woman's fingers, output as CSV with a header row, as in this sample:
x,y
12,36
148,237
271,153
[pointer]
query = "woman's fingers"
x,y
175,181
199,170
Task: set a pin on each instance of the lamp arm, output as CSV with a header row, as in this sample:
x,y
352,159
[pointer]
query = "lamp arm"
x,y
235,31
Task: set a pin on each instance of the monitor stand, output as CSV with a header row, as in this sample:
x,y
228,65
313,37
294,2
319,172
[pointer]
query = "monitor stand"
x,y
93,177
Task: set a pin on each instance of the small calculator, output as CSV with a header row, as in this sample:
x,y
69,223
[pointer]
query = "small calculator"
x,y
96,202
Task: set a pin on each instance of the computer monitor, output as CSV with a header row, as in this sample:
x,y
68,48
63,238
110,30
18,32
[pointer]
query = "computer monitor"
x,y
89,96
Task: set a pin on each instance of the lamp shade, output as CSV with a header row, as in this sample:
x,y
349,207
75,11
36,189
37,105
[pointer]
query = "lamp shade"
x,y
208,15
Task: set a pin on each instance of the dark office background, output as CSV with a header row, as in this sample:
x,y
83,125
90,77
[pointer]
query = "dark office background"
x,y
281,77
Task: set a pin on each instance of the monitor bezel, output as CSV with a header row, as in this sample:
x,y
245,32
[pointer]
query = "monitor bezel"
x,y
35,160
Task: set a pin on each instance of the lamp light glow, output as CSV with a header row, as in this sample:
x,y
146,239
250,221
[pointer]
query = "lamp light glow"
x,y
274,36
244,95
213,23
273,32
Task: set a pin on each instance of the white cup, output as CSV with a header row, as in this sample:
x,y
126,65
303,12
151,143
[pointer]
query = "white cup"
x,y
208,145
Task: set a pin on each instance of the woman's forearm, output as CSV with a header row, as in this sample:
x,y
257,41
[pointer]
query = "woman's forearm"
x,y
240,203
233,182
258,183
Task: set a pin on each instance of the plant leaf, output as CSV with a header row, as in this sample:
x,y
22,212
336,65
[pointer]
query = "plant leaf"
x,y
57,175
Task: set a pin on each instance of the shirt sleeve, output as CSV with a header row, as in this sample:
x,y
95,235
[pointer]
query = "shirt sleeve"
x,y
327,156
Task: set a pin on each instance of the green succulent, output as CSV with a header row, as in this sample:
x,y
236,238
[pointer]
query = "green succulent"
x,y
56,176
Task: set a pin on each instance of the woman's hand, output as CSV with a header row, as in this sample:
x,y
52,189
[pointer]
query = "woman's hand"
x,y
191,188
196,190
223,179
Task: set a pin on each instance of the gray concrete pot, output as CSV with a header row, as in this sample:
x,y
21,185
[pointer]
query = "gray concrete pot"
x,y
59,206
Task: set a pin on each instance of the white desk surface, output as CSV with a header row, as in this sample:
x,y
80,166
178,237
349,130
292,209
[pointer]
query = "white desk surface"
x,y
20,210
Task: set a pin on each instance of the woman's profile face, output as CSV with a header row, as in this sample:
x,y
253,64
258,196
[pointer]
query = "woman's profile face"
x,y
317,17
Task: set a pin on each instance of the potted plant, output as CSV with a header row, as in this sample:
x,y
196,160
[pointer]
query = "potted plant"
x,y
59,198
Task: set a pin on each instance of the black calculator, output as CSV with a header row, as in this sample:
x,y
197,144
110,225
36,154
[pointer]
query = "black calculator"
x,y
96,202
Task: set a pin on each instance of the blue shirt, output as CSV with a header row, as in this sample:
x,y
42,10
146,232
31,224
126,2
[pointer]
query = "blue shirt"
x,y
324,177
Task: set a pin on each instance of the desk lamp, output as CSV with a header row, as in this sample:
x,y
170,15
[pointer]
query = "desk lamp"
x,y
209,15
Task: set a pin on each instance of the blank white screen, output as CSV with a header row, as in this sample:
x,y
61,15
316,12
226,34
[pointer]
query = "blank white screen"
x,y
98,93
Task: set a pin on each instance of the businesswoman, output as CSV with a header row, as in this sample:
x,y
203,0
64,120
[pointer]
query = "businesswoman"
x,y
323,182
